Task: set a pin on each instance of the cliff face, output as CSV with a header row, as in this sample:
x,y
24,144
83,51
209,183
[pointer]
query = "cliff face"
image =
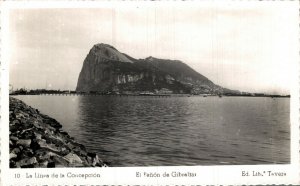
x,y
105,69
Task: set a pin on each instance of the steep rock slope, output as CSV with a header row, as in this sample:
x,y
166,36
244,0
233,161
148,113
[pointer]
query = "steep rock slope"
x,y
185,75
105,69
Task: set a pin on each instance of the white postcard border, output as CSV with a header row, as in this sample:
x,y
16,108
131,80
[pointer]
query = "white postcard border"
x,y
205,175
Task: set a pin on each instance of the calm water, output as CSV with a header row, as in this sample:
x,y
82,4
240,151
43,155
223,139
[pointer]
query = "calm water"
x,y
152,131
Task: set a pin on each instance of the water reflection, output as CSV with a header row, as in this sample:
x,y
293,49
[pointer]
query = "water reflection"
x,y
184,131
144,131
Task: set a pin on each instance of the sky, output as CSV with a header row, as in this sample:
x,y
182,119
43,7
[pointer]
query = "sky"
x,y
250,47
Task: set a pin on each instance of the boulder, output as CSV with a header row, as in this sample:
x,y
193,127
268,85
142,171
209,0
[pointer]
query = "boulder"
x,y
94,159
60,161
24,142
13,138
16,151
73,158
12,155
43,164
43,144
26,162
44,154
36,140
38,135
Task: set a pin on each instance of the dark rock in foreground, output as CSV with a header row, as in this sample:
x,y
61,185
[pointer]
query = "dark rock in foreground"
x,y
36,140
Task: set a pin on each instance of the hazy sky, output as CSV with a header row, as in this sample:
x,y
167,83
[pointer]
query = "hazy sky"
x,y
245,46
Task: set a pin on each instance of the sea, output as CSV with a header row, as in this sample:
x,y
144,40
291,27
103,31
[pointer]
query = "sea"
x,y
129,131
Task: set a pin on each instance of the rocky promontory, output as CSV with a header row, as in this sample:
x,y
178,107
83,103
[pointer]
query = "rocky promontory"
x,y
37,140
107,70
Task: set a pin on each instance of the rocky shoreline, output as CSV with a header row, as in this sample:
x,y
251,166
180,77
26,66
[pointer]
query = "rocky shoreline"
x,y
38,141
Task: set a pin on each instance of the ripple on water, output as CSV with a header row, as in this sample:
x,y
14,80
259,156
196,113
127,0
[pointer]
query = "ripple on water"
x,y
142,131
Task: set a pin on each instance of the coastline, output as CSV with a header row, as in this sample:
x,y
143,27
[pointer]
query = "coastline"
x,y
150,95
38,141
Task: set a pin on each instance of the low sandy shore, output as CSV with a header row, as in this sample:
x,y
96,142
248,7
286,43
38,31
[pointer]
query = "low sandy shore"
x,y
36,140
